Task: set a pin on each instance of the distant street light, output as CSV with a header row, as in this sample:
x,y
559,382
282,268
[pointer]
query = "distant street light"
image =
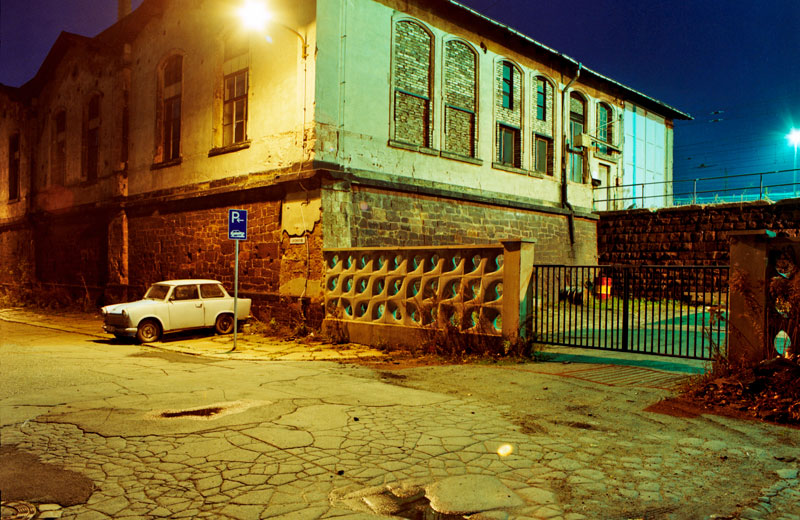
x,y
794,140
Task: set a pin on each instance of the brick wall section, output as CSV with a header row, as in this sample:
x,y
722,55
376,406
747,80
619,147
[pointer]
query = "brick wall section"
x,y
16,256
691,235
194,244
460,87
73,251
413,48
384,218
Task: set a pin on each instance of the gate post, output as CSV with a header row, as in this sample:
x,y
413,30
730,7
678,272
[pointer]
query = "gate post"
x,y
747,334
517,290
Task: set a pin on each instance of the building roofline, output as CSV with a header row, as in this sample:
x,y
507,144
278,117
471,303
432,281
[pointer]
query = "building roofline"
x,y
636,96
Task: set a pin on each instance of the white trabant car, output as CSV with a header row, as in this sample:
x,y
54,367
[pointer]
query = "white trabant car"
x,y
175,305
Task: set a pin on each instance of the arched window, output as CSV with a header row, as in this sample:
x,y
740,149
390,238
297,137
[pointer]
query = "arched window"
x,y
169,103
508,110
577,126
411,77
543,155
91,138
58,150
460,97
605,127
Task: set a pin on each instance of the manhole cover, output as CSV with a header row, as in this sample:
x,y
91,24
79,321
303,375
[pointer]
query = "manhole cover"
x,y
17,511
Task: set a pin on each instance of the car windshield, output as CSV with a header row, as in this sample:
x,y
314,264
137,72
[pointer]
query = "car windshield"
x,y
156,292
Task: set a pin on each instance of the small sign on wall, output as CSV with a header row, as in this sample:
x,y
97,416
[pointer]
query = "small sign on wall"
x,y
297,240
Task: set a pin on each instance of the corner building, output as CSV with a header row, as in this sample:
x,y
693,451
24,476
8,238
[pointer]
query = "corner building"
x,y
342,123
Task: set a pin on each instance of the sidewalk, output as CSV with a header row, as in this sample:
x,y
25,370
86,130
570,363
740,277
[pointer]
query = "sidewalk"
x,y
249,346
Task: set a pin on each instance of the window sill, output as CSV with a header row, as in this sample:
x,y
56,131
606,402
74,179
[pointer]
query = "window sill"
x,y
459,157
412,147
508,168
221,150
165,164
607,157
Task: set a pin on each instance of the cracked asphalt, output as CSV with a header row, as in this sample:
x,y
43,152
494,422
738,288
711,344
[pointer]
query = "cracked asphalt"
x,y
159,433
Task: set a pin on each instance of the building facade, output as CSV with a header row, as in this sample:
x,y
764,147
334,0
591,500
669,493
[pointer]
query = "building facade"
x,y
342,123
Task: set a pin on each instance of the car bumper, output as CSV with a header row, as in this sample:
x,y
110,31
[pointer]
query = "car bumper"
x,y
120,331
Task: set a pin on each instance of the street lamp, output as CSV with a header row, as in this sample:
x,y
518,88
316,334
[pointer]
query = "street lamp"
x,y
794,140
255,16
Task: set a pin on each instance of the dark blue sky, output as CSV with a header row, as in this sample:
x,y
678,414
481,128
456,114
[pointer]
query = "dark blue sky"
x,y
701,56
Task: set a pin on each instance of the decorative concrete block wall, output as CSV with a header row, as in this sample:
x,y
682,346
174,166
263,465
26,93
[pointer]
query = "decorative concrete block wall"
x,y
395,295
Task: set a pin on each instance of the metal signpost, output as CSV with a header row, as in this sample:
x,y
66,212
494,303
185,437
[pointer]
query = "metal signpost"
x,y
237,230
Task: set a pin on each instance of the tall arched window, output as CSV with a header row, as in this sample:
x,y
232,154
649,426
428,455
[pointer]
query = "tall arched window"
x,y
577,126
411,76
605,127
169,119
543,155
508,110
91,138
460,97
58,150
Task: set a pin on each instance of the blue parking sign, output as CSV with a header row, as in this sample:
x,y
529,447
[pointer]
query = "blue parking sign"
x,y
237,224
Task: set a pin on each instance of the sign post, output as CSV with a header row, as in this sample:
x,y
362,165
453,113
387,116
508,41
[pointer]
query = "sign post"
x,y
237,230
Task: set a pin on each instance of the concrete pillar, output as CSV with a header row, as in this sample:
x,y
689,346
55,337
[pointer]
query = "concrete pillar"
x,y
117,287
747,324
517,290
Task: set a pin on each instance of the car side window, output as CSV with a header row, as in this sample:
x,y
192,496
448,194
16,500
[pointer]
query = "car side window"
x,y
211,290
185,292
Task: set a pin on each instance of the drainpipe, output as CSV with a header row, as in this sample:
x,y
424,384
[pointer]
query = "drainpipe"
x,y
565,122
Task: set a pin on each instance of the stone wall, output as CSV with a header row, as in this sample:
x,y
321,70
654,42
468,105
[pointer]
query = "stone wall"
x,y
16,256
689,235
382,218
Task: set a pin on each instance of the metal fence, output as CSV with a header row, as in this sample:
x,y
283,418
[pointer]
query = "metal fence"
x,y
675,311
775,185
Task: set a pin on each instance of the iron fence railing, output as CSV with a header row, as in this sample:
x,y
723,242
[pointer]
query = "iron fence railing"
x,y
775,185
675,311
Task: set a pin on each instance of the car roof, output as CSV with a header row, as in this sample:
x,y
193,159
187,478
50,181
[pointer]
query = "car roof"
x,y
185,282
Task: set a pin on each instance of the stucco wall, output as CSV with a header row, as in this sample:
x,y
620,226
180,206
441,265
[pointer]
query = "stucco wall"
x,y
355,114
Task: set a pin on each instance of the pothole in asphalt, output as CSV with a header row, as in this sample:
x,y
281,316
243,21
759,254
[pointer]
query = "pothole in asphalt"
x,y
200,412
415,507
208,412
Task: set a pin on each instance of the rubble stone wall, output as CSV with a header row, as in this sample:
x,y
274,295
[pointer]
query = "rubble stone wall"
x,y
689,235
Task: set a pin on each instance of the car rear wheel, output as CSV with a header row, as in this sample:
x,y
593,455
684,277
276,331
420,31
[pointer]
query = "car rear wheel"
x,y
224,324
148,331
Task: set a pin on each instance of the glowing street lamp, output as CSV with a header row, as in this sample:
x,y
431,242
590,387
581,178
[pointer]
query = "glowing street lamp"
x,y
794,140
255,17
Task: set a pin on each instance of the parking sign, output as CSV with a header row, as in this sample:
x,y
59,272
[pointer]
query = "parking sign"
x,y
237,224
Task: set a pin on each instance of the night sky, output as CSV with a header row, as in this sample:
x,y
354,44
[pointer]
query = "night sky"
x,y
734,65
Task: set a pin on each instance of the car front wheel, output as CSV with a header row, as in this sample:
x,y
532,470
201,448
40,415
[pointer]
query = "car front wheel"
x,y
224,324
148,331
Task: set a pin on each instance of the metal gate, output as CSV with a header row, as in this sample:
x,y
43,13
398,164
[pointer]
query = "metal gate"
x,y
676,311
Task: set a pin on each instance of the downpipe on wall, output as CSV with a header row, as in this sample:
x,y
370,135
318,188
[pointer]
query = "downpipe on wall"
x,y
565,124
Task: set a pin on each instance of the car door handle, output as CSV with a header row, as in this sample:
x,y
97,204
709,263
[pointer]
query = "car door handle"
x,y
198,305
